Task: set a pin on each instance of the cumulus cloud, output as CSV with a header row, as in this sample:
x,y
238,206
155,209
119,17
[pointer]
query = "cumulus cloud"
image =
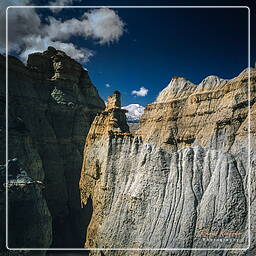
x,y
35,44
141,92
27,33
103,25
21,22
107,85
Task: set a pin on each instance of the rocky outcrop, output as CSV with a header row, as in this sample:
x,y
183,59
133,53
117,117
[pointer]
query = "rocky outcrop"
x,y
114,101
208,114
51,104
182,180
106,125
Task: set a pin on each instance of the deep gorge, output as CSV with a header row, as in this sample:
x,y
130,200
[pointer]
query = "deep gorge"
x,y
182,175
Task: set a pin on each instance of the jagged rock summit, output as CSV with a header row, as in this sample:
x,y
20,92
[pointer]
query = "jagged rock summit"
x,y
114,101
182,117
180,87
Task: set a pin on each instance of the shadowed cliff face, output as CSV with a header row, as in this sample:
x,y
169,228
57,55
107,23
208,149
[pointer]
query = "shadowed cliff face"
x,y
28,213
52,104
181,180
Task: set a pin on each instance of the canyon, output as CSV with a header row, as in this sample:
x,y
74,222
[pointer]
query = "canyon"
x,y
185,178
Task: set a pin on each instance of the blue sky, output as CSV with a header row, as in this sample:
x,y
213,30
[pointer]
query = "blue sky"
x,y
153,45
162,43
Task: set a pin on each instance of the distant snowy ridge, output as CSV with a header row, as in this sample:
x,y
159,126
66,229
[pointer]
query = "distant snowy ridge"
x,y
134,112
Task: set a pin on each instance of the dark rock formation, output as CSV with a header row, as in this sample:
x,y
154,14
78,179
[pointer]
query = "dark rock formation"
x,y
51,105
29,220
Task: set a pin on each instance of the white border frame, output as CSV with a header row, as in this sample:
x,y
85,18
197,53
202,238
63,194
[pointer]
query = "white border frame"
x,y
249,131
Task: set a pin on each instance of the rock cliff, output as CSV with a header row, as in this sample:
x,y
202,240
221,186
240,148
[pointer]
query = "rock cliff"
x,y
29,220
208,114
183,179
51,105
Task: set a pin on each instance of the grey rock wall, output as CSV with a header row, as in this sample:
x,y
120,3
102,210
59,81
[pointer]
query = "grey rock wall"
x,y
150,198
51,105
29,219
198,194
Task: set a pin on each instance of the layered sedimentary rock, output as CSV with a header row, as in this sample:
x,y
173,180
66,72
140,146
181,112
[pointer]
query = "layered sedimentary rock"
x,y
208,114
51,105
182,180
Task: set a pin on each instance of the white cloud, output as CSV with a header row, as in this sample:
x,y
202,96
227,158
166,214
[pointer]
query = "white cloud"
x,y
103,25
28,34
35,44
141,92
21,22
107,85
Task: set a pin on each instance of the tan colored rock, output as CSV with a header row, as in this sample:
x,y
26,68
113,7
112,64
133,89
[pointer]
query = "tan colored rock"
x,y
114,101
183,175
106,125
209,114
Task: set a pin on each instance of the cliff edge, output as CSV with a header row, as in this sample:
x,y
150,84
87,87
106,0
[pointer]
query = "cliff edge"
x,y
182,180
51,105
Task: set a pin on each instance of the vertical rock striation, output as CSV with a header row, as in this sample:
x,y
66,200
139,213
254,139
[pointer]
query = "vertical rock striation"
x,y
181,180
109,124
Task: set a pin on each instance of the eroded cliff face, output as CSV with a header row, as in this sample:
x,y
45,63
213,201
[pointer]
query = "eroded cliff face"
x,y
181,181
208,114
51,105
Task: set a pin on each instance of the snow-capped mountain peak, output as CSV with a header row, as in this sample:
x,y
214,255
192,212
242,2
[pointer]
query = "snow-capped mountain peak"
x,y
134,112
